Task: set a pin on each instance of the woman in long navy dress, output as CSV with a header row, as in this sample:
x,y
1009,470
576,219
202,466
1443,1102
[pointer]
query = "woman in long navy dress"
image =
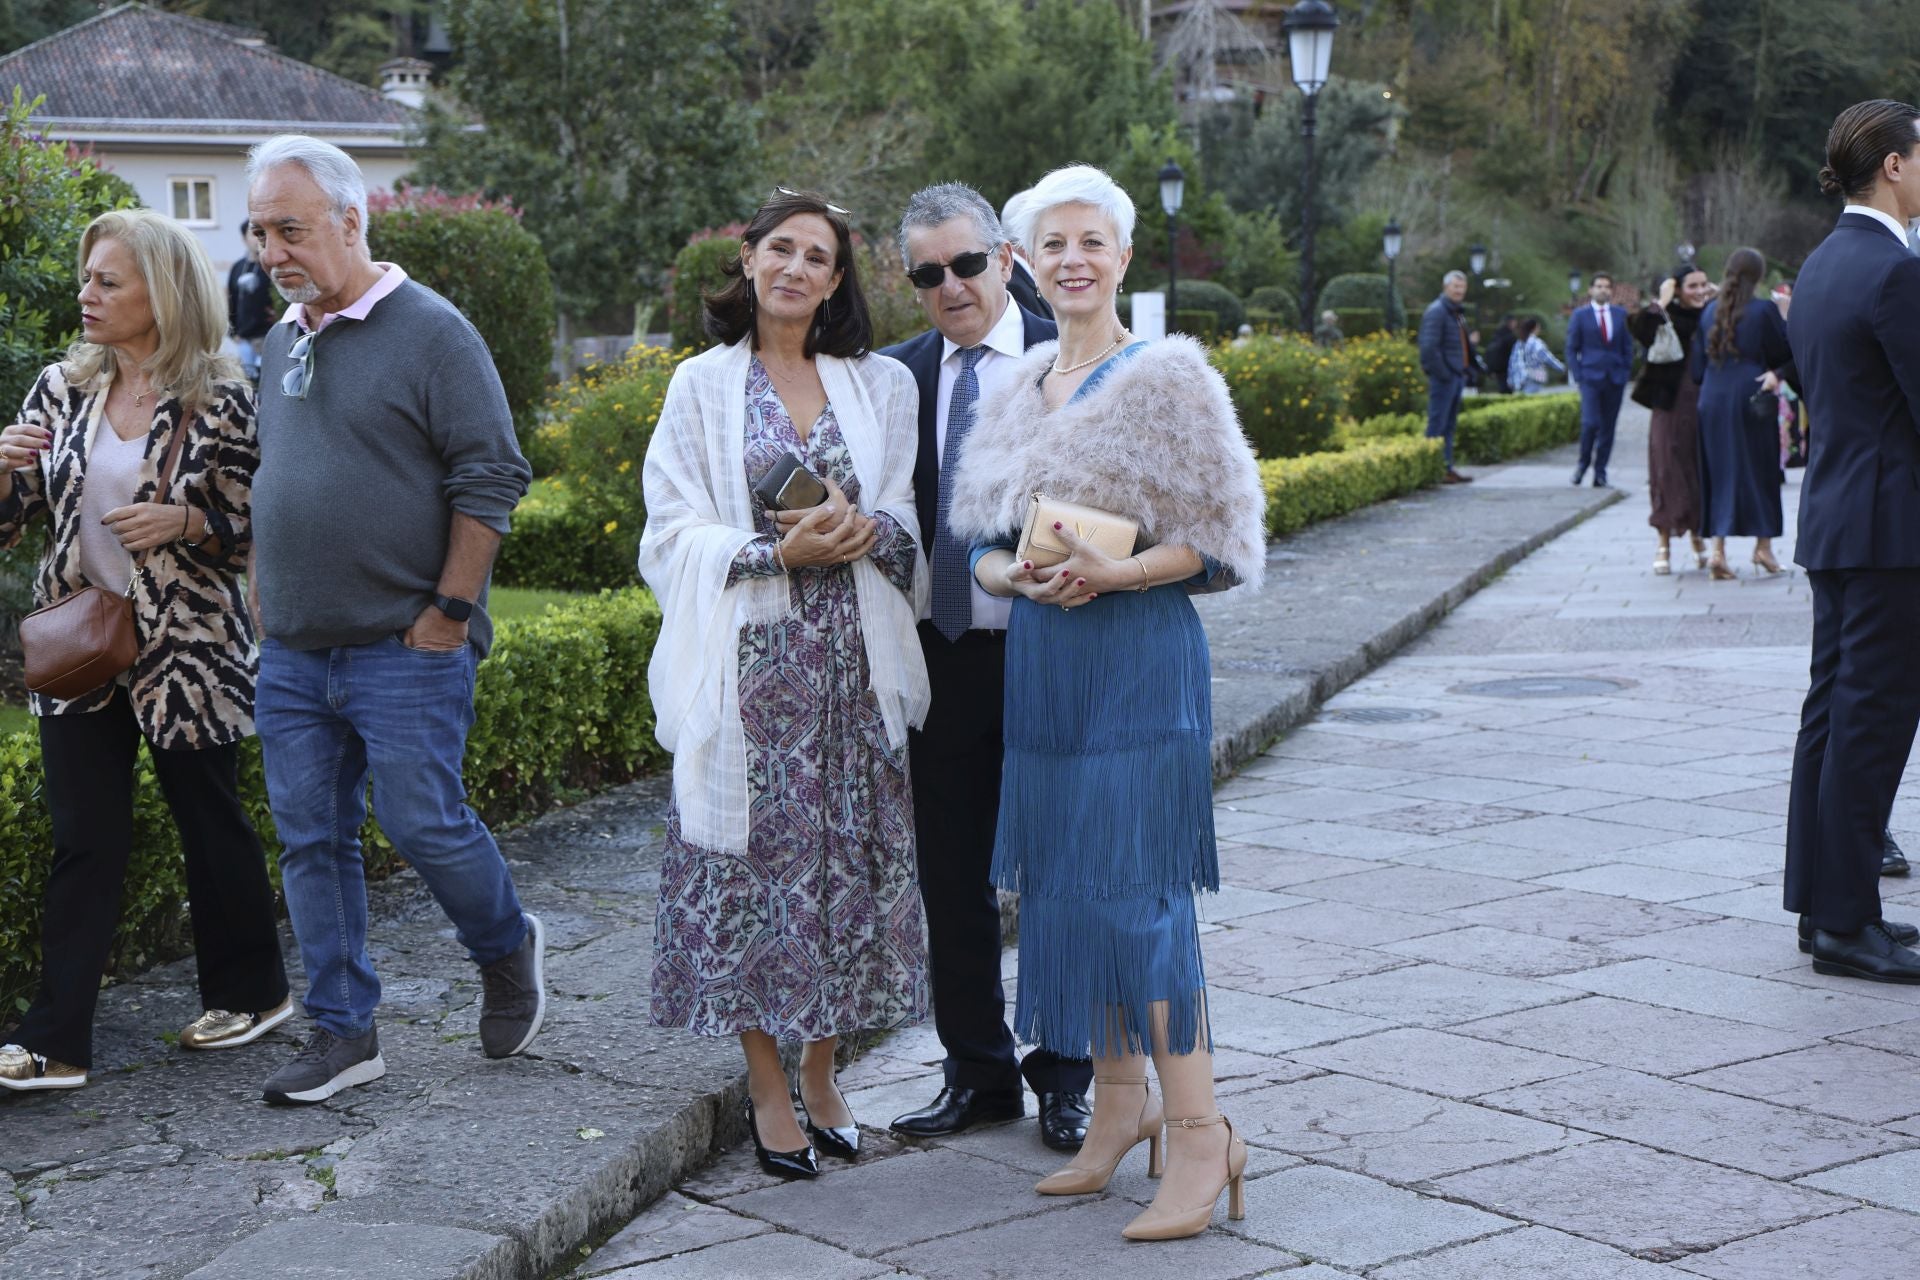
x,y
1106,819
1741,339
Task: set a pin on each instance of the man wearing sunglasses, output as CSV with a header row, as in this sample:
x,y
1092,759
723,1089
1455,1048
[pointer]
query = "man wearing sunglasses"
x,y
388,473
959,260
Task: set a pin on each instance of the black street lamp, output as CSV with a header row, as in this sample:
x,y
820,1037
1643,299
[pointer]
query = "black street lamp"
x,y
1309,26
1390,245
1477,259
1477,263
1574,279
1173,191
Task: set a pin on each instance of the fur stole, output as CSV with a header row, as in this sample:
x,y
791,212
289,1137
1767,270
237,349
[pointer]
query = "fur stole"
x,y
1156,440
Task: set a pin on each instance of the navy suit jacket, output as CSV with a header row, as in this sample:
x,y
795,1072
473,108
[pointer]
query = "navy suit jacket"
x,y
921,354
1590,360
1855,330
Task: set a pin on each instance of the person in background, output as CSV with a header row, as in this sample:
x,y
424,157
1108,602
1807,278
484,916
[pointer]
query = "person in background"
x,y
86,452
1531,360
1500,351
1599,362
1327,332
1666,387
1446,357
1020,283
1740,338
250,311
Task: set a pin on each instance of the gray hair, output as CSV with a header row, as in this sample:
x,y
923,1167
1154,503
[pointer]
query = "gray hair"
x,y
331,168
1075,184
932,206
1451,276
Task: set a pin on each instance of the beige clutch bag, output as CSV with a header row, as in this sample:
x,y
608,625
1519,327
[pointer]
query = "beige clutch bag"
x,y
1113,535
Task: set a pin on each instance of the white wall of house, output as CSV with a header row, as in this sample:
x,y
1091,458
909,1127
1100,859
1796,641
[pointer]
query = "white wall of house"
x,y
154,171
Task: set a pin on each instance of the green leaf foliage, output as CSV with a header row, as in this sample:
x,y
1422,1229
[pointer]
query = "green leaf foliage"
x,y
49,192
1362,291
483,261
1289,394
560,706
1204,295
1382,374
1319,486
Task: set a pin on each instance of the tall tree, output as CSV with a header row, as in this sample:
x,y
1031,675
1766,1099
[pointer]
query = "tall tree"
x,y
617,125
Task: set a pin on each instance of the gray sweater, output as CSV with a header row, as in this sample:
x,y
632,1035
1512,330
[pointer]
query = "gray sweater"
x,y
404,423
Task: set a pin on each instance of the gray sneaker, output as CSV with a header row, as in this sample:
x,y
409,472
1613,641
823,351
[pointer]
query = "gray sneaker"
x,y
325,1065
513,995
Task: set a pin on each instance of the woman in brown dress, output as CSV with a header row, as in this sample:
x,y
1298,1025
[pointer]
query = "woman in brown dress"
x,y
1673,439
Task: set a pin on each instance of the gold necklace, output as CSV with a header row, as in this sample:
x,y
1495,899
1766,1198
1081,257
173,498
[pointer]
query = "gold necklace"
x,y
1097,356
140,399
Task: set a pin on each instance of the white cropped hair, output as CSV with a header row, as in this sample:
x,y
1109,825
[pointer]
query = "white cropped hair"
x,y
333,169
1075,184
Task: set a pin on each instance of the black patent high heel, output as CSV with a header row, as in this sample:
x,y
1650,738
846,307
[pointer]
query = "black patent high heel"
x,y
842,1141
793,1165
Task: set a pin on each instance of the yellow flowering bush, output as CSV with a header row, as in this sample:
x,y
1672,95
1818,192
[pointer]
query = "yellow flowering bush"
x,y
1382,375
1289,394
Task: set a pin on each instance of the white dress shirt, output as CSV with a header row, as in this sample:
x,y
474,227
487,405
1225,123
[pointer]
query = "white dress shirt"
x,y
1888,221
1005,343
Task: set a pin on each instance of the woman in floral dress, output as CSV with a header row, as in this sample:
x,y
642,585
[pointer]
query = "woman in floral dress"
x,y
787,673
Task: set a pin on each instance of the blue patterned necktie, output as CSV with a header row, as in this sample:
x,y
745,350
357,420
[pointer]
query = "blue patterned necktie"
x,y
952,582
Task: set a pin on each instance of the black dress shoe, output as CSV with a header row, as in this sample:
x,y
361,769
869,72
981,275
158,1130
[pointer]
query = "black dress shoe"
x,y
1063,1119
955,1110
1579,474
1893,861
792,1165
1904,934
1600,480
842,1141
1871,953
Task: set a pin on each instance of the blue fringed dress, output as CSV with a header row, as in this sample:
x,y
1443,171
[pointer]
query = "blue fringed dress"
x,y
1106,812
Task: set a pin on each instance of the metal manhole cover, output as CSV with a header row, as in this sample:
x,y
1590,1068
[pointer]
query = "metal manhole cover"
x,y
1543,687
1380,715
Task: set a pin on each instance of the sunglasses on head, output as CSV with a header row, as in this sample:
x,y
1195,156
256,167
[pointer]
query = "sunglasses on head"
x,y
831,206
931,275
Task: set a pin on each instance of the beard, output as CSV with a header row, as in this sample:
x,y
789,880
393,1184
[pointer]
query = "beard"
x,y
300,294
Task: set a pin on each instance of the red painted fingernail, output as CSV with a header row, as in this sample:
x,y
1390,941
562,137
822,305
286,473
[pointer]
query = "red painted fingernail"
x,y
1079,582
1058,525
1027,564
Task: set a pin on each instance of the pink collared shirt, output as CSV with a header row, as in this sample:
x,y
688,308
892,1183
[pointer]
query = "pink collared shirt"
x,y
392,277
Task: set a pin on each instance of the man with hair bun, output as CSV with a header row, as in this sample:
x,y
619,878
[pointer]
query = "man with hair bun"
x,y
1858,352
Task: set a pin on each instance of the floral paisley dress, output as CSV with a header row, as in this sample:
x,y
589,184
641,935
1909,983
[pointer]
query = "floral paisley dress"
x,y
817,930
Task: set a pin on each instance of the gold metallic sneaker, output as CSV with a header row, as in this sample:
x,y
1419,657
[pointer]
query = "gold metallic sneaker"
x,y
218,1029
23,1070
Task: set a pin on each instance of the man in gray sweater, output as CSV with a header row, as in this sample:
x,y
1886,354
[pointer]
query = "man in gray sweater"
x,y
388,471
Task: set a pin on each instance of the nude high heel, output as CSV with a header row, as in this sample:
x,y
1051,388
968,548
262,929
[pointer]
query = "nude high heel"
x,y
1700,549
1178,1224
1077,1180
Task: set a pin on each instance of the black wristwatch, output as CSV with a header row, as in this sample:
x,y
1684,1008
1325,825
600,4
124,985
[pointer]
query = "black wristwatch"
x,y
454,607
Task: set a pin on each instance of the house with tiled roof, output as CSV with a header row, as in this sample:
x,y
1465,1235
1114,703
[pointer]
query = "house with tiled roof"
x,y
171,104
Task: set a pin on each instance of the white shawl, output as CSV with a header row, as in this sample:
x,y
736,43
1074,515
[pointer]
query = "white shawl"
x,y
699,516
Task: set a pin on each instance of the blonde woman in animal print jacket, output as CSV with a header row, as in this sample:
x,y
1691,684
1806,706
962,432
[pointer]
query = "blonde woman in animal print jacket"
x,y
86,452
1106,819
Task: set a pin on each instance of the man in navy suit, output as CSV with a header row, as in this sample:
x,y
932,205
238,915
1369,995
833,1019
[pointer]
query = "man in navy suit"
x,y
960,262
1445,357
1855,330
1599,362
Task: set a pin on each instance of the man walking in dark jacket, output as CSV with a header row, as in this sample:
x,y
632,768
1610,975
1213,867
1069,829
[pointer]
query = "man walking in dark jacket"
x,y
1445,359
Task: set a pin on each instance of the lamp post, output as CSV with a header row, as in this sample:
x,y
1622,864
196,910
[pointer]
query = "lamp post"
x,y
1573,288
1309,26
1685,251
1173,191
1477,264
1390,245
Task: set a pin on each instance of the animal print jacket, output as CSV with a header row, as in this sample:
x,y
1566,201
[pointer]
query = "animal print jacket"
x,y
192,685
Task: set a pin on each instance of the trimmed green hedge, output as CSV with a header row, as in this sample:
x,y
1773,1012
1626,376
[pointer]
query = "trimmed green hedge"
x,y
1506,427
560,705
1319,486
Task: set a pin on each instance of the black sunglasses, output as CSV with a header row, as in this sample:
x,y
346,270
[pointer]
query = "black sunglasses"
x,y
931,275
297,380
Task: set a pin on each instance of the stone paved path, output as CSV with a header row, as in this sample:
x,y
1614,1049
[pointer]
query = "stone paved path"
x,y
1500,981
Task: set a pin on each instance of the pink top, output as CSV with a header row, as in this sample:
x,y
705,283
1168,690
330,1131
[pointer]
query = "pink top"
x,y
392,277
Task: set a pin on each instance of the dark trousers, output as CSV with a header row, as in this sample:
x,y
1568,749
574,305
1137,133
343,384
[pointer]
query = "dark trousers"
x,y
89,761
956,805
1443,412
1856,730
1599,410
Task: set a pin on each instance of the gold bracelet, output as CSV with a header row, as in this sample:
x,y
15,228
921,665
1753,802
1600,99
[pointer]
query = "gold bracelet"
x,y
1146,579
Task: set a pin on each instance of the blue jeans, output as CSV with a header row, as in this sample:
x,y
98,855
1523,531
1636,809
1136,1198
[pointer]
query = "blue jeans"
x,y
1443,411
330,717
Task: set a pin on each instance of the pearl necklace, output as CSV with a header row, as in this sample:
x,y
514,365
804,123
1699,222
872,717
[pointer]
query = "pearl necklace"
x,y
1101,354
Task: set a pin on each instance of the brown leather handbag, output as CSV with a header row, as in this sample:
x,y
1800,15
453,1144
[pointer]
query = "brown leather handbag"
x,y
82,641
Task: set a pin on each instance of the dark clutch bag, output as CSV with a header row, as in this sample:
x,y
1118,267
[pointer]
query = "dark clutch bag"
x,y
789,486
1763,411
